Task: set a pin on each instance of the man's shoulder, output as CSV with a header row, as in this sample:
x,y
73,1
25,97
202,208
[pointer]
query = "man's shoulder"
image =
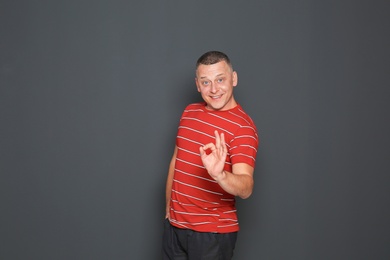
x,y
242,116
198,105
193,109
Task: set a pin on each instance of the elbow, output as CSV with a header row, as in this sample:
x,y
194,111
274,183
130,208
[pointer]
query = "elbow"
x,y
245,195
247,192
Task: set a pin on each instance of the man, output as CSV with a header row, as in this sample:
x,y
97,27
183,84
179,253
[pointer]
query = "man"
x,y
213,162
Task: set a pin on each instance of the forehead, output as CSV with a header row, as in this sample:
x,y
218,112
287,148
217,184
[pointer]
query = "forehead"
x,y
212,70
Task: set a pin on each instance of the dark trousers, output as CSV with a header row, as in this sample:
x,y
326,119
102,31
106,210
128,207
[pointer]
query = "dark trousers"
x,y
186,244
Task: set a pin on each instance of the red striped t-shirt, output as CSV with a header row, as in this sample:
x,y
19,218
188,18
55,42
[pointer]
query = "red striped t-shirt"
x,y
197,200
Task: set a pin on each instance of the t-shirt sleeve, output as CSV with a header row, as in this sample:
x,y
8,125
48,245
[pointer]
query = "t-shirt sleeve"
x,y
243,147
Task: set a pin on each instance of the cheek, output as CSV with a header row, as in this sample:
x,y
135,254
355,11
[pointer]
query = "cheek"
x,y
203,90
224,88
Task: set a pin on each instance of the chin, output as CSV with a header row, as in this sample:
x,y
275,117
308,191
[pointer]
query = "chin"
x,y
215,107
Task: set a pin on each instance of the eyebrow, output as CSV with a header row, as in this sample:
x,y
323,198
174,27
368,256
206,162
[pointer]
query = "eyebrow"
x,y
219,75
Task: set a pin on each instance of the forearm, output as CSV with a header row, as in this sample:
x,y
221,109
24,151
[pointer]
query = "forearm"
x,y
168,188
239,182
236,184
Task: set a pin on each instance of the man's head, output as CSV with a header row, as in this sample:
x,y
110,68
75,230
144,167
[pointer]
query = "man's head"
x,y
215,80
213,57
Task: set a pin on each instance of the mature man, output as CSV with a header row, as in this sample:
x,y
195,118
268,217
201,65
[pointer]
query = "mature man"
x,y
213,162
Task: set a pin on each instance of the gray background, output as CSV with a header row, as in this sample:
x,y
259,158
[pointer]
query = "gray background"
x,y
92,91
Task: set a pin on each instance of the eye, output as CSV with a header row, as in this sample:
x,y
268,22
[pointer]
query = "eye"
x,y
205,83
220,80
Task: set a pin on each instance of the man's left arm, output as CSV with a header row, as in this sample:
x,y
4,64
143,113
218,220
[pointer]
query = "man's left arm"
x,y
239,182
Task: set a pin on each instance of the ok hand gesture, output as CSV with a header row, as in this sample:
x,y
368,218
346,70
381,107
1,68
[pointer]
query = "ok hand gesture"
x,y
215,160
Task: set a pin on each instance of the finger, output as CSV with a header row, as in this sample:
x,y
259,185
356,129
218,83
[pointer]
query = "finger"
x,y
217,139
222,139
210,146
223,143
201,151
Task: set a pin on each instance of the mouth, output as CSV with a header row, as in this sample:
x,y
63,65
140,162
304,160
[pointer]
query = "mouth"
x,y
216,97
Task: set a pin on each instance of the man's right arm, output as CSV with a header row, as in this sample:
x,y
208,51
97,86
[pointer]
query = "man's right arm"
x,y
168,188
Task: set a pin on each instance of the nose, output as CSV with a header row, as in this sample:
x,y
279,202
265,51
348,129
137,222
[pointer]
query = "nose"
x,y
213,88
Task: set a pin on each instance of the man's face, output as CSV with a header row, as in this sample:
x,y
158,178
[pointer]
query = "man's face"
x,y
215,83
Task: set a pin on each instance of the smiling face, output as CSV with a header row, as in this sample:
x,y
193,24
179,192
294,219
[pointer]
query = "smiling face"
x,y
215,83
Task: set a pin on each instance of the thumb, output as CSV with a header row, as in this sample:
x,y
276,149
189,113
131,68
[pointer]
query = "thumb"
x,y
201,151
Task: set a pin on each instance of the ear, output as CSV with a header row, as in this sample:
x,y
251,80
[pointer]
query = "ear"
x,y
197,84
235,78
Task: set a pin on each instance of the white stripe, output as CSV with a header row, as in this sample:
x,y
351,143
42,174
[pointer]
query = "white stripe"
x,y
217,127
245,145
230,121
195,198
183,204
238,154
194,110
190,140
200,144
228,219
235,224
249,123
194,214
195,187
178,223
194,130
230,211
244,136
195,223
250,127
188,151
227,199
195,176
193,164
189,223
